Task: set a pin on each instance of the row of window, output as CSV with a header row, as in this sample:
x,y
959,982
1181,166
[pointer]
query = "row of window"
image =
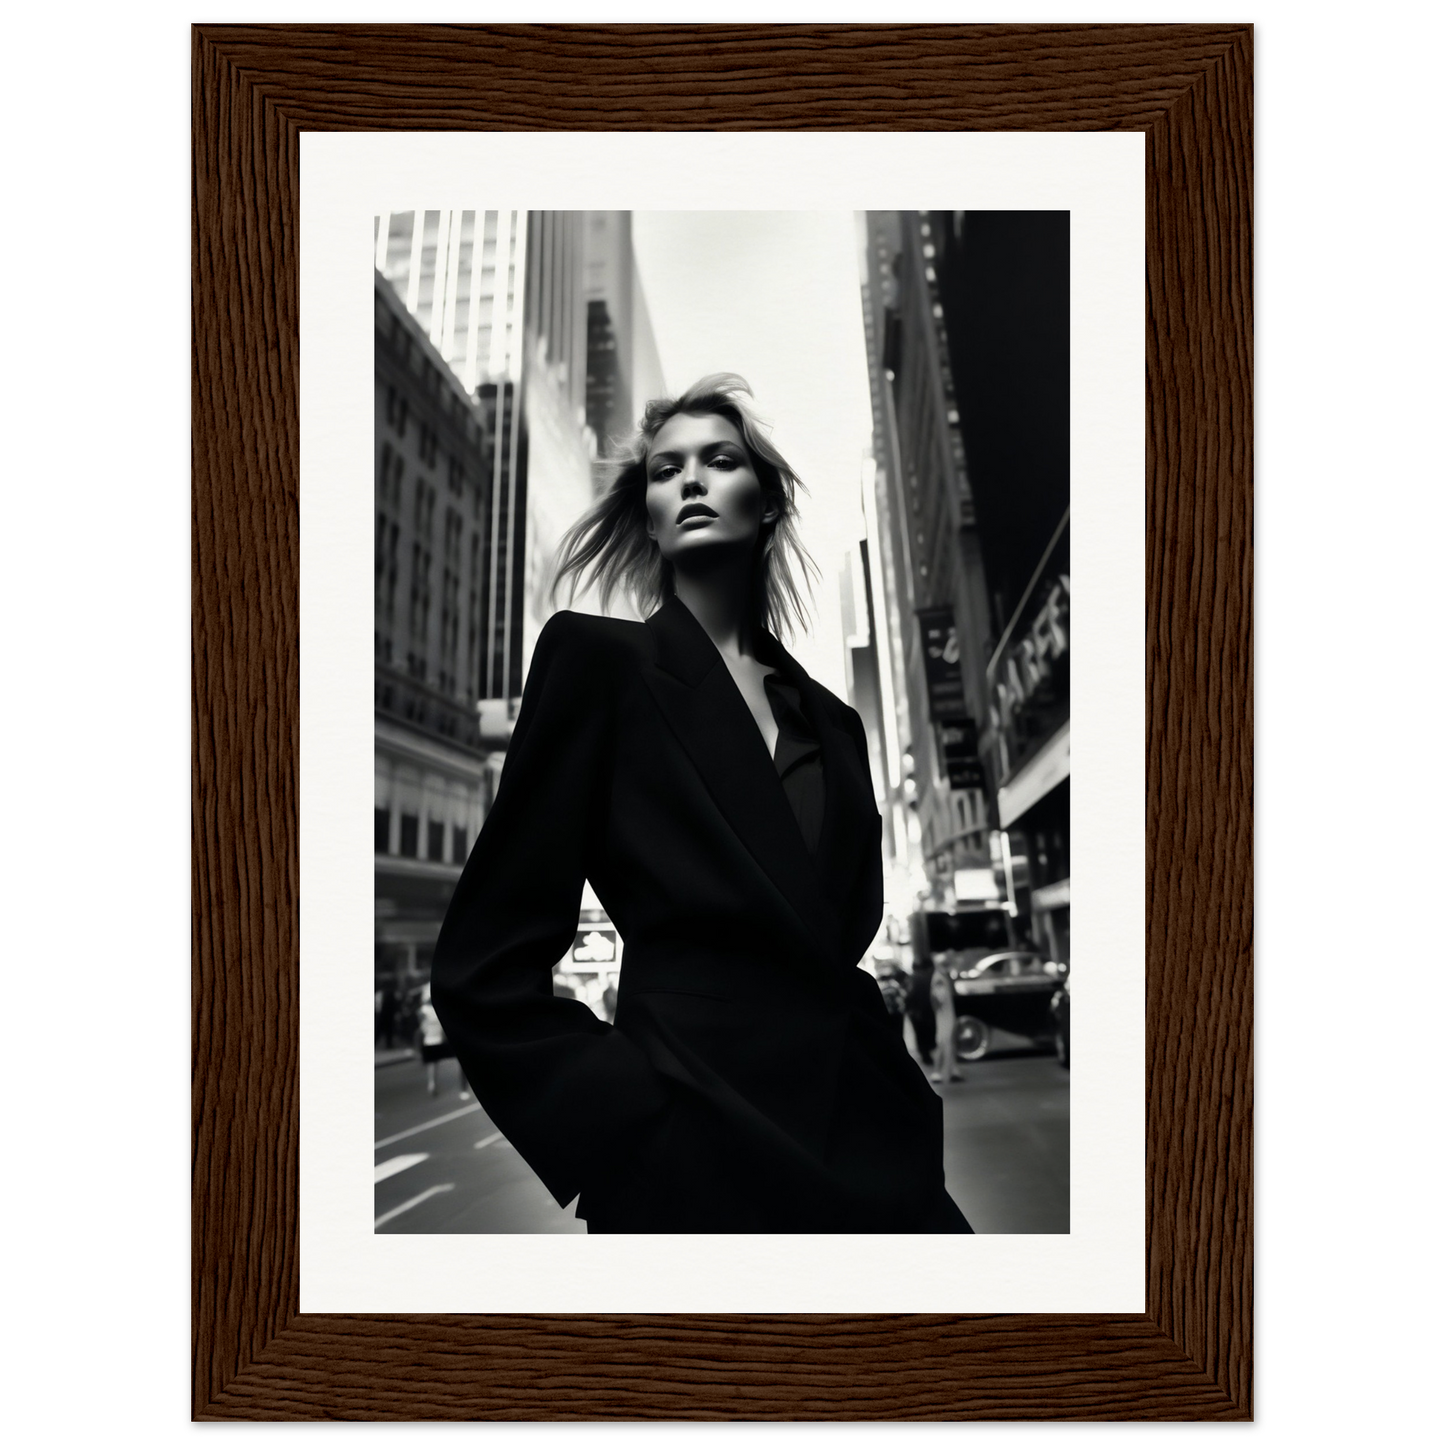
x,y
411,356
386,539
424,509
387,536
419,619
411,837
435,717
398,412
388,477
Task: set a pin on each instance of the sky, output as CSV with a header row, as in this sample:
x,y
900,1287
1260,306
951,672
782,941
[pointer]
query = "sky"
x,y
775,297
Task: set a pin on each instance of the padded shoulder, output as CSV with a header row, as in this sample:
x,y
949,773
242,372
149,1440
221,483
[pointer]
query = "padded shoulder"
x,y
583,643
587,629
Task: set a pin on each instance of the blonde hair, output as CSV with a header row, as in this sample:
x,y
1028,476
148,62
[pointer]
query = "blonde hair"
x,y
610,540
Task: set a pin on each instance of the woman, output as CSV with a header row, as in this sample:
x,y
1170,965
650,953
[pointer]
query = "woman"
x,y
945,1025
719,801
433,1041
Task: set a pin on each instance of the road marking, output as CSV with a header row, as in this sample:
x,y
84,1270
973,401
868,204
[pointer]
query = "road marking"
x,y
430,1124
490,1139
411,1204
389,1167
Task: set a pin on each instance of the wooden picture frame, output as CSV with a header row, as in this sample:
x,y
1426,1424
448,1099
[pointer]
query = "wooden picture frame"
x,y
1189,1356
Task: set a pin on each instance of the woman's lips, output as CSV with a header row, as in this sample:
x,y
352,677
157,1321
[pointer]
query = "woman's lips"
x,y
696,514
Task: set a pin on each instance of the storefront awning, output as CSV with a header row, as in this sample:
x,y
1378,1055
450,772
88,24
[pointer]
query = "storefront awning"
x,y
1039,776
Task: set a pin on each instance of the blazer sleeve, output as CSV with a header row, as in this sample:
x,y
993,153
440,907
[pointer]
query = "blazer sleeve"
x,y
563,1086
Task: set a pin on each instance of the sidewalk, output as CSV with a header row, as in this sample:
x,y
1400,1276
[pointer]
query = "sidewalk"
x,y
398,1055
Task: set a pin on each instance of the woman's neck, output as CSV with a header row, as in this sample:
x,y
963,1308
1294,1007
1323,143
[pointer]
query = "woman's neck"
x,y
720,601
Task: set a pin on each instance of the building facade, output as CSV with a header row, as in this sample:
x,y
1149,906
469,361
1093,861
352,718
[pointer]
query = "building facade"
x,y
461,275
922,527
504,340
1004,290
433,475
966,326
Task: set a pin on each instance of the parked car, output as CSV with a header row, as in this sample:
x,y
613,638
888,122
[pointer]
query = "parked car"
x,y
1012,990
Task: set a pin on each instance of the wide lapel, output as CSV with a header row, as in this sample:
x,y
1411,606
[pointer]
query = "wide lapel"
x,y
703,707
848,799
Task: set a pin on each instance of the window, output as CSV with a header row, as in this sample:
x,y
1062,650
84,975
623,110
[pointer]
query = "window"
x,y
391,576
435,836
408,835
383,830
459,845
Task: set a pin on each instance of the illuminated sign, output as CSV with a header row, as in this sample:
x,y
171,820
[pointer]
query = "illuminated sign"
x,y
595,945
941,672
975,885
1030,663
958,747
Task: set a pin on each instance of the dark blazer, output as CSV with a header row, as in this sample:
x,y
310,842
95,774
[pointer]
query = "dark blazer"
x,y
751,1081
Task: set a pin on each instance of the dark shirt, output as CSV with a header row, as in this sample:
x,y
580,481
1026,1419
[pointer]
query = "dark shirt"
x,y
798,758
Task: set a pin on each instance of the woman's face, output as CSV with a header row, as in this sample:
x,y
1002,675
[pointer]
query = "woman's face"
x,y
702,491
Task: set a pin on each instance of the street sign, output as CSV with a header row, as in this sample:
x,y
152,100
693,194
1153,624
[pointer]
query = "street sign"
x,y
941,671
958,745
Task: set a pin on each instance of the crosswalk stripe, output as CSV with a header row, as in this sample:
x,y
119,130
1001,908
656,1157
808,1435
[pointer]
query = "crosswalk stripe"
x,y
430,1124
388,1167
490,1139
411,1204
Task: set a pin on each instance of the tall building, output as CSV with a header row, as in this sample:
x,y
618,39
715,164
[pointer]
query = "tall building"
x,y
966,324
623,370
869,632
461,275
540,315
922,526
504,340
1004,289
433,473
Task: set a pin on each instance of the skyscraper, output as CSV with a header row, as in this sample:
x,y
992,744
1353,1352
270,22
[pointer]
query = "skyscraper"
x,y
434,779
462,276
967,330
504,340
541,316
922,528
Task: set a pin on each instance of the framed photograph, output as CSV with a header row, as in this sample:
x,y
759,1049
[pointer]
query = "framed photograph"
x,y
1003,337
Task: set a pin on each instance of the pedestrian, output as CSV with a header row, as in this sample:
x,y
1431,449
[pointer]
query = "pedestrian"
x,y
719,801
434,1045
945,1016
895,995
919,1010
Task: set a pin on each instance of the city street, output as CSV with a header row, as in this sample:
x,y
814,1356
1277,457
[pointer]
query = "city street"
x,y
941,629
442,1168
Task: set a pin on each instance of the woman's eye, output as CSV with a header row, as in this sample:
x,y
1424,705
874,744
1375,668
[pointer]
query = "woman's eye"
x,y
725,462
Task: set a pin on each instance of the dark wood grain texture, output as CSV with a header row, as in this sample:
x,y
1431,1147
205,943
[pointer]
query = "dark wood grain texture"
x,y
1188,88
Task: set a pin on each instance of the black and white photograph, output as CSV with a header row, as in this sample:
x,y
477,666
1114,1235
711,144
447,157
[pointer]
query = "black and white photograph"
x,y
722,700
782,934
